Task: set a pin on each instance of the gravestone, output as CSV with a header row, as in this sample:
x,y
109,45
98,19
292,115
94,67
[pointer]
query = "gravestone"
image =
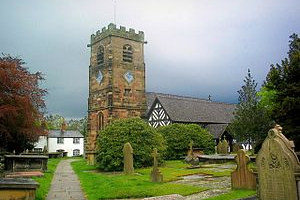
x,y
191,158
242,177
222,147
278,168
156,175
236,147
128,159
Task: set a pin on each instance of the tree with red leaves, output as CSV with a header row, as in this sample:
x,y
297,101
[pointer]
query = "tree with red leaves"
x,y
21,105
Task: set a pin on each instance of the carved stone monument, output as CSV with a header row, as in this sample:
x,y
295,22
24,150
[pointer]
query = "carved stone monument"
x,y
242,177
156,175
128,159
278,168
191,158
222,147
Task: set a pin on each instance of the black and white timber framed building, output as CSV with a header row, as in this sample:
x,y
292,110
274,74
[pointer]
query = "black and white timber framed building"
x,y
165,109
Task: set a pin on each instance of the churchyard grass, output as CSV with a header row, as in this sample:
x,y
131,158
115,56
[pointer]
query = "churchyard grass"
x,y
104,185
45,181
118,185
234,194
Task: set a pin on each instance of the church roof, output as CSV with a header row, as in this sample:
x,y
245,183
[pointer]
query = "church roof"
x,y
193,110
64,134
216,129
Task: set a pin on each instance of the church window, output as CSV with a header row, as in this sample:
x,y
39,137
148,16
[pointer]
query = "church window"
x,y
100,121
109,100
127,53
100,55
127,92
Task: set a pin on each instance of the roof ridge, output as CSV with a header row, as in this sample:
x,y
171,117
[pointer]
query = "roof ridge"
x,y
178,96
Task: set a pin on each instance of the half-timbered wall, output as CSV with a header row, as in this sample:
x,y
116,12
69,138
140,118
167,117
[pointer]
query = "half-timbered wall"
x,y
158,116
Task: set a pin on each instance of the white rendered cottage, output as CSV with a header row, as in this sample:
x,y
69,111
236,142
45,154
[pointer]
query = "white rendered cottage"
x,y
66,141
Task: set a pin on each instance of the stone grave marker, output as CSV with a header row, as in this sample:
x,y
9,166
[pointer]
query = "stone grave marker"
x,y
191,158
236,147
242,177
156,175
278,168
128,159
222,147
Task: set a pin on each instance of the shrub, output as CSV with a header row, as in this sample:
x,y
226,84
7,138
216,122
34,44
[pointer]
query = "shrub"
x,y
139,134
178,137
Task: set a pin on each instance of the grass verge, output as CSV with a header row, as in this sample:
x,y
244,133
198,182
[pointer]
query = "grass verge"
x,y
118,185
45,181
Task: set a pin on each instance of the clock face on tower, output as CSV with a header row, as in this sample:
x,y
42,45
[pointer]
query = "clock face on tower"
x,y
128,76
99,77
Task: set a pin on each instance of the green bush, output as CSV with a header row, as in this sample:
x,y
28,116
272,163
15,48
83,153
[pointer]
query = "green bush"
x,y
178,137
139,134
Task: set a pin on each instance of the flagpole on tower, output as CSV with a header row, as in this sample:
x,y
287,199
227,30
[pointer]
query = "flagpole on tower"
x,y
115,10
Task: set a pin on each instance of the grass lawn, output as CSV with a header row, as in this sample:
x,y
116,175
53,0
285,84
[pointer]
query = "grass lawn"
x,y
45,181
97,185
118,185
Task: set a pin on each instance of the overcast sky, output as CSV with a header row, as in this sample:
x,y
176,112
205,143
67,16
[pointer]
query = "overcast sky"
x,y
195,47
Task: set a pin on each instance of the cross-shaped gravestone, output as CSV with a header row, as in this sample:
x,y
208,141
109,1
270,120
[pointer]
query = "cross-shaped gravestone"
x,y
191,144
156,175
155,154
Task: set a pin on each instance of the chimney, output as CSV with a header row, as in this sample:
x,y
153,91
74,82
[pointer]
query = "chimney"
x,y
63,126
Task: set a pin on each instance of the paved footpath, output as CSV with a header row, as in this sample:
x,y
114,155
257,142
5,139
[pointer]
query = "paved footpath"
x,y
65,184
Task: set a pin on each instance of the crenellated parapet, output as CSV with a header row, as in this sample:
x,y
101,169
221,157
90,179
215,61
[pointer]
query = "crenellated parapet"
x,y
112,30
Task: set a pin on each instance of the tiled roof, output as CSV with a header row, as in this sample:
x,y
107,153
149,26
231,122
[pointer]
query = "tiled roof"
x,y
216,129
65,134
193,110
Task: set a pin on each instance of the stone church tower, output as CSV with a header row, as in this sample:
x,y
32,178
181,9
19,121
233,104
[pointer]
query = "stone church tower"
x,y
116,80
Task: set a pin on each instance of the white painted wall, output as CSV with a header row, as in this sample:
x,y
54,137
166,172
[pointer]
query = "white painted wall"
x,y
68,145
42,142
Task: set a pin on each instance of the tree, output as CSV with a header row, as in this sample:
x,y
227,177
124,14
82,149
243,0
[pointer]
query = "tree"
x,y
54,122
283,80
178,137
21,105
142,137
251,122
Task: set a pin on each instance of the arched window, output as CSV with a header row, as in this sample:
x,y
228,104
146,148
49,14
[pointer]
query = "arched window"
x,y
100,55
76,152
100,121
127,53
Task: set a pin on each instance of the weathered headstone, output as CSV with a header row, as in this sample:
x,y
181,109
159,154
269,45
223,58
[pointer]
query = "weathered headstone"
x,y
236,147
128,159
191,158
278,168
223,147
156,175
242,177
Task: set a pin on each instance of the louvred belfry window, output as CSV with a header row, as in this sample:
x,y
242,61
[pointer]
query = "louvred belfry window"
x,y
100,55
127,53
